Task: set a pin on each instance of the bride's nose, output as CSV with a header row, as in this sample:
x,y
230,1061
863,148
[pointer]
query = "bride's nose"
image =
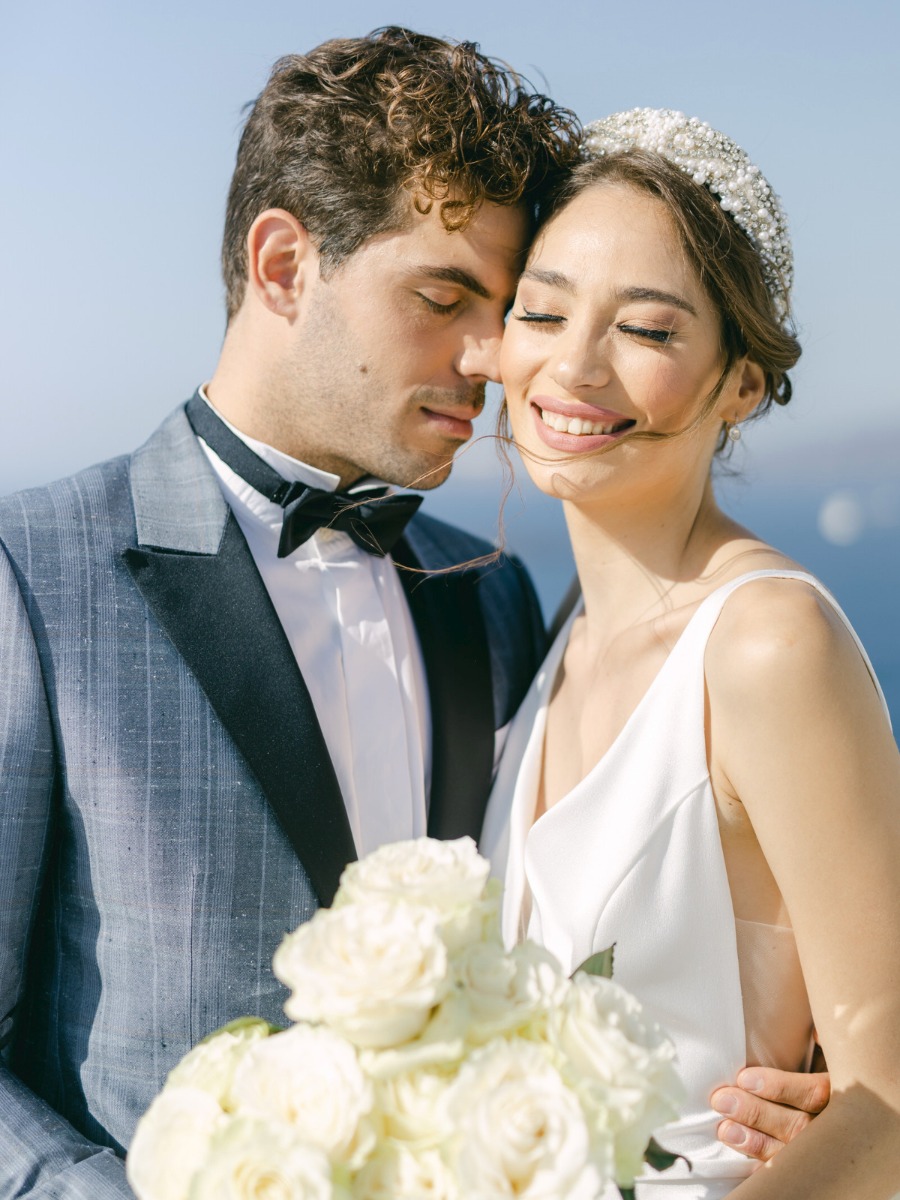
x,y
580,361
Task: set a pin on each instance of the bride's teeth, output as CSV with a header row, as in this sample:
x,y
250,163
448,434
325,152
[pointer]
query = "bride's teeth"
x,y
574,425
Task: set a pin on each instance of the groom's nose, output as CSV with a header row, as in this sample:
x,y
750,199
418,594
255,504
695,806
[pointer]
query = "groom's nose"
x,y
479,354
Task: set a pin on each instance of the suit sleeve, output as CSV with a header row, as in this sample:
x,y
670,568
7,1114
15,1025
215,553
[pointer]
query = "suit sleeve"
x,y
41,1155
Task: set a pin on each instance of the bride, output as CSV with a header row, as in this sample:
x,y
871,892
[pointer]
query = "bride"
x,y
703,772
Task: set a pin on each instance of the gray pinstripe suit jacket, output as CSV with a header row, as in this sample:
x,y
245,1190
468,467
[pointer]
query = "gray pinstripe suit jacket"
x,y
167,806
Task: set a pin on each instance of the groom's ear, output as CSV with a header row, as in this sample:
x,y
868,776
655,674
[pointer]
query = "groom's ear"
x,y
280,260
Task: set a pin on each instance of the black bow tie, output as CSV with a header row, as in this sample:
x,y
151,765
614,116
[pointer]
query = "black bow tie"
x,y
372,518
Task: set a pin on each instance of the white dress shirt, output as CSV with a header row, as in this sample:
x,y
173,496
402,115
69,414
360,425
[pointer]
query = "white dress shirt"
x,y
348,623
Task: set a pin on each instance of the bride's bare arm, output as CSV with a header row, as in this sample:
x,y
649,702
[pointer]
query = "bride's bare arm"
x,y
799,738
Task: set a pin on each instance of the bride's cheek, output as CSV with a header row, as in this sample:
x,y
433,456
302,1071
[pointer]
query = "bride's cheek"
x,y
520,377
514,389
515,408
516,350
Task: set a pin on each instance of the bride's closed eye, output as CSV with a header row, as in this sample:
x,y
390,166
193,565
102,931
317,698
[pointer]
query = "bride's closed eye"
x,y
661,336
538,318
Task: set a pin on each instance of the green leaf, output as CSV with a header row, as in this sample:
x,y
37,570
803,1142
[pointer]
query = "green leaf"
x,y
598,964
627,1193
661,1159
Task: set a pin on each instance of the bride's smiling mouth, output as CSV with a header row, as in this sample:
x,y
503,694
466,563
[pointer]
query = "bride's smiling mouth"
x,y
564,425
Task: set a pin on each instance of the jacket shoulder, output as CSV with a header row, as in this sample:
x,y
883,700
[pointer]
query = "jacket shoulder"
x,y
102,495
95,498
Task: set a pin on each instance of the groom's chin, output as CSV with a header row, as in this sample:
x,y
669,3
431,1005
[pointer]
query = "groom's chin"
x,y
424,475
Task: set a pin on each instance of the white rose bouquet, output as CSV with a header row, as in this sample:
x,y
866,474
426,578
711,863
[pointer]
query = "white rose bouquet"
x,y
424,1061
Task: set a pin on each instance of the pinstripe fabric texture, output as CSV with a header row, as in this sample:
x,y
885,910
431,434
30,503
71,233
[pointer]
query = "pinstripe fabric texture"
x,y
144,880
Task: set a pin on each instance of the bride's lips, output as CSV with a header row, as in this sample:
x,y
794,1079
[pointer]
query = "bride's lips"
x,y
603,426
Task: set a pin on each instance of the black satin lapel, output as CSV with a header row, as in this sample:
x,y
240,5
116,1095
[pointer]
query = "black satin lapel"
x,y
217,612
454,645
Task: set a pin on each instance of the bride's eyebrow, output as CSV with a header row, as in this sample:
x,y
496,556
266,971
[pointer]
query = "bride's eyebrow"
x,y
646,293
552,278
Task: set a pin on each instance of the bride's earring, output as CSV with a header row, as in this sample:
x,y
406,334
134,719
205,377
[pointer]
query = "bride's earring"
x,y
734,433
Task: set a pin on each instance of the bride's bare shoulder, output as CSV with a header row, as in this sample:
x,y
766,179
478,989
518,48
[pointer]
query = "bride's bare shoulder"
x,y
779,638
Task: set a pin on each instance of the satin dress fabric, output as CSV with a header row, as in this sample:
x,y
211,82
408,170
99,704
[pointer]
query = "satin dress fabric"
x,y
632,856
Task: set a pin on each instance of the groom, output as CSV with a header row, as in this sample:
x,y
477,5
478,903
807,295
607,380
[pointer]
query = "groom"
x,y
217,683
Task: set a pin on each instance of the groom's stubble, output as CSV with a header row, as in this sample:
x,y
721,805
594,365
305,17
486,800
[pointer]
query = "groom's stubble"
x,y
376,381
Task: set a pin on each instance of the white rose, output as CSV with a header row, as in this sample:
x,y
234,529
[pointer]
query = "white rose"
x,y
211,1064
620,1061
441,1044
171,1143
493,993
443,875
520,1131
311,1079
449,877
399,1172
505,993
413,1106
372,972
253,1159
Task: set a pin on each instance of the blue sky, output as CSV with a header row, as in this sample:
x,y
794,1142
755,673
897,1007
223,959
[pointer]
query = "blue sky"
x,y
120,122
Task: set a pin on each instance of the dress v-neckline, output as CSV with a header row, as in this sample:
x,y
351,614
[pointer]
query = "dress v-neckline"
x,y
629,720
562,643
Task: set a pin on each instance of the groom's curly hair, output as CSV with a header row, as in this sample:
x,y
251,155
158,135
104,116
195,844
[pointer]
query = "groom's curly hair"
x,y
346,136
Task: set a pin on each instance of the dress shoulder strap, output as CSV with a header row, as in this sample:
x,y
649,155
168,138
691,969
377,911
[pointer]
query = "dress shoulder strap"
x,y
702,623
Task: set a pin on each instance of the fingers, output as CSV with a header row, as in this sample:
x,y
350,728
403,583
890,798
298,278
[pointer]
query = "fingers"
x,y
810,1093
769,1109
758,1128
749,1141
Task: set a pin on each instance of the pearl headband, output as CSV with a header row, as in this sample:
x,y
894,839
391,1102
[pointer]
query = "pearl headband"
x,y
716,162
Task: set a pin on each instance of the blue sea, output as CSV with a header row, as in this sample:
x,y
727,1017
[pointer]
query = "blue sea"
x,y
861,567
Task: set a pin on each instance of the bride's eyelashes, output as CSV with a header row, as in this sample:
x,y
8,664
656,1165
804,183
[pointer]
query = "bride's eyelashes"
x,y
661,336
538,318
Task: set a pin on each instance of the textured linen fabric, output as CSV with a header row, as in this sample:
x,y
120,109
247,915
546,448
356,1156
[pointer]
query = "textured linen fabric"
x,y
145,881
632,857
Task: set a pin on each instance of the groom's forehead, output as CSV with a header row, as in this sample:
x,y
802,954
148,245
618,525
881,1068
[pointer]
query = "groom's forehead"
x,y
494,241
484,259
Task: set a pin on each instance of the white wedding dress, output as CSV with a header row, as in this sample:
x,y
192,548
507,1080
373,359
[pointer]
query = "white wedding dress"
x,y
632,856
